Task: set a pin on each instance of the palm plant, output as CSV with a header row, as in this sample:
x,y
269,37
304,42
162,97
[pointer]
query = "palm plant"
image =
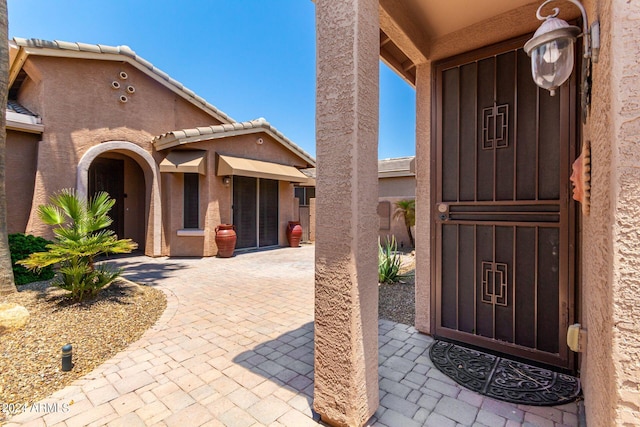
x,y
80,235
406,210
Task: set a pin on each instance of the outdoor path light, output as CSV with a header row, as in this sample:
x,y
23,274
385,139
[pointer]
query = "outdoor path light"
x,y
551,51
67,354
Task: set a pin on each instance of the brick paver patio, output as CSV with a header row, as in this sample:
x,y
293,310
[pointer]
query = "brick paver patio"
x,y
235,348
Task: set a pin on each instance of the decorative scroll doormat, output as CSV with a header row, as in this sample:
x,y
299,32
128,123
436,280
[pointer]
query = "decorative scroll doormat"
x,y
503,379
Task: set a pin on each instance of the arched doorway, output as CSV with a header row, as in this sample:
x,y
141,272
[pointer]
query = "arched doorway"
x,y
123,179
142,211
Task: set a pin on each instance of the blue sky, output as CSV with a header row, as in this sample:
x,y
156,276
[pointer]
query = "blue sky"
x,y
249,58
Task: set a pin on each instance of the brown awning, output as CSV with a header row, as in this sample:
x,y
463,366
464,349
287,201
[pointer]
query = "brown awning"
x,y
184,161
228,165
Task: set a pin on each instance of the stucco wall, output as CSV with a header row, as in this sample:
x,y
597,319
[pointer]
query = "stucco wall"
x,y
20,173
392,190
611,237
346,294
403,187
216,198
423,198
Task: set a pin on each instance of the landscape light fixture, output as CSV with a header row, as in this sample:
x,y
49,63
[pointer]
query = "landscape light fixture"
x,y
551,51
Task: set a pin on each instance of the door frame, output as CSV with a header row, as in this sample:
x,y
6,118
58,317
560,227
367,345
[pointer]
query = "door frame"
x,y
567,262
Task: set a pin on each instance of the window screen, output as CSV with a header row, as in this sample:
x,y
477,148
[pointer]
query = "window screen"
x,y
191,200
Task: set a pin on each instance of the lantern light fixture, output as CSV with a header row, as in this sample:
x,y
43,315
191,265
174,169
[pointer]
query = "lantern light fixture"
x,y
551,50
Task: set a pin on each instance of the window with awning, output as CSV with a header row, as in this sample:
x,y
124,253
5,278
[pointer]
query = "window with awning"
x,y
185,161
237,166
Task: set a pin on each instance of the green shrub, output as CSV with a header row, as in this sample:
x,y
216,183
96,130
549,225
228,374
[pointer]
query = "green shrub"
x,y
388,261
80,236
21,246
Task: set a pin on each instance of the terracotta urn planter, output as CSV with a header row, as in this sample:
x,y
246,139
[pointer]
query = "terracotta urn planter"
x,y
226,240
294,233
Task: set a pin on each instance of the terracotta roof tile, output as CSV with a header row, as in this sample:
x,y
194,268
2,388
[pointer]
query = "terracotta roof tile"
x,y
185,136
67,45
88,47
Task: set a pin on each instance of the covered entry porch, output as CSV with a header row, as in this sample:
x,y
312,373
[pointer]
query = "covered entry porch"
x,y
414,38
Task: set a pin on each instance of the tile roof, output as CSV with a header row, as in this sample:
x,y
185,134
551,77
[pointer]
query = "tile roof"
x,y
21,119
13,106
310,172
186,136
387,168
396,167
44,47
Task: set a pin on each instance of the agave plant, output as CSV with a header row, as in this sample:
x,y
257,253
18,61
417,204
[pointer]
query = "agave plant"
x,y
388,261
80,236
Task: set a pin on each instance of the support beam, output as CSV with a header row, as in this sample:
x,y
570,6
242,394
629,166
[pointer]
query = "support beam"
x,y
346,304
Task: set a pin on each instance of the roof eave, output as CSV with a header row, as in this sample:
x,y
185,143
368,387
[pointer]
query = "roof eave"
x,y
171,141
396,174
25,127
23,122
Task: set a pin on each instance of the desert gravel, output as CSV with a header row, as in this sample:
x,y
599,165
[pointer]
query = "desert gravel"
x,y
396,301
30,358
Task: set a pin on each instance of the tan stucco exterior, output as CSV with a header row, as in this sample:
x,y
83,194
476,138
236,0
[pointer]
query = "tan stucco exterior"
x,y
395,186
20,168
608,240
98,102
423,198
346,316
610,261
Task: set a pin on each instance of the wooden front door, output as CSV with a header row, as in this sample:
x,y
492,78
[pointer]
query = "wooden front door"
x,y
108,175
502,209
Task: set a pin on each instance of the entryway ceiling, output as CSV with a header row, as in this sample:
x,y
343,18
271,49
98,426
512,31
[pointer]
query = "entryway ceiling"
x,y
417,31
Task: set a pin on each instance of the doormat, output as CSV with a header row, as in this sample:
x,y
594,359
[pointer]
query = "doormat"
x,y
503,379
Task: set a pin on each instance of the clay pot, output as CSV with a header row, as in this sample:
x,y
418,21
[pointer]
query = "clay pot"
x,y
294,233
226,240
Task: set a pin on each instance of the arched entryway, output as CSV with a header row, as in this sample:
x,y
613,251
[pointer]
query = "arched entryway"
x,y
121,177
130,175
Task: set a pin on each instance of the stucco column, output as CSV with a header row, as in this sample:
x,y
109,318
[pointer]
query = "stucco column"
x,y
610,371
423,199
346,305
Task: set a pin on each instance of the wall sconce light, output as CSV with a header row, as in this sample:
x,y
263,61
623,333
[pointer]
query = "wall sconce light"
x,y
226,180
551,51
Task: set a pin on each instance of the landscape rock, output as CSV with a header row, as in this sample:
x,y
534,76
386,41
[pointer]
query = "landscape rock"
x,y
12,316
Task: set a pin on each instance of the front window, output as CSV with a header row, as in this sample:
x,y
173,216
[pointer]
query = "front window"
x,y
191,200
304,194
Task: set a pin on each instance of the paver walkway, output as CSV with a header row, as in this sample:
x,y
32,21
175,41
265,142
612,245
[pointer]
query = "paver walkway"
x,y
235,348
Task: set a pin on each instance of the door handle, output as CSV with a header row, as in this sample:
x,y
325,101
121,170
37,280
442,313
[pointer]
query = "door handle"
x,y
442,211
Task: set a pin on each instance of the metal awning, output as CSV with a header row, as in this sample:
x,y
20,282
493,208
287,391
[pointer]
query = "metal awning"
x,y
185,161
228,165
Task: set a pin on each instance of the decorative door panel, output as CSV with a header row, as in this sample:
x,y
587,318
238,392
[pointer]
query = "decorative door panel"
x,y
503,218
